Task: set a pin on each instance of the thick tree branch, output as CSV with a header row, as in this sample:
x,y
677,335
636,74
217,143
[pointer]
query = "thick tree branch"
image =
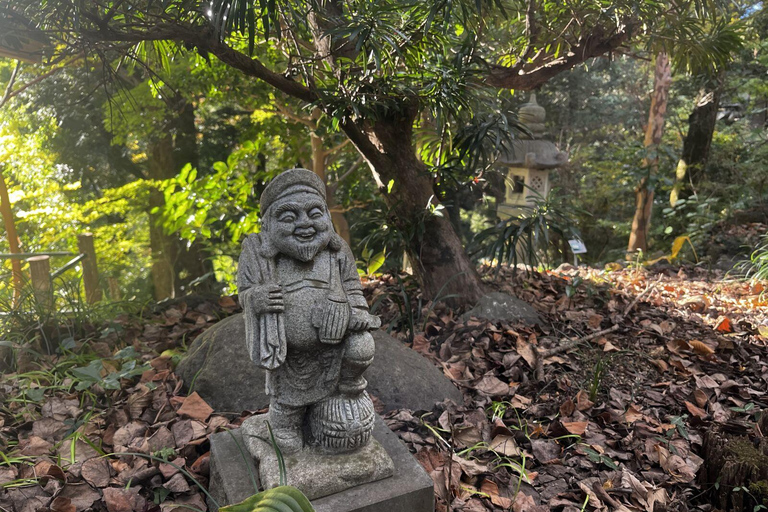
x,y
593,45
205,41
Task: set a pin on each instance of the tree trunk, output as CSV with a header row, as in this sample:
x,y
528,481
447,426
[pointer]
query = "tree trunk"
x,y
161,167
644,192
319,163
190,260
701,128
439,261
174,262
13,239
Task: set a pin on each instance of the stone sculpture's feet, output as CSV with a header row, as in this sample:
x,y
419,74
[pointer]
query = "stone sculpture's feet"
x,y
289,440
352,387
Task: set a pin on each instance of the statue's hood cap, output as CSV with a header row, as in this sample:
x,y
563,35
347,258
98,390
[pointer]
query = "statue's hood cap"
x,y
289,182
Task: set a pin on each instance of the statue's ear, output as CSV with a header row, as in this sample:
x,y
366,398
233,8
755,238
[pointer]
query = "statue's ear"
x,y
336,242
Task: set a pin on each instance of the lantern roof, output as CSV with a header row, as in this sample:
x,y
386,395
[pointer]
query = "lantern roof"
x,y
533,151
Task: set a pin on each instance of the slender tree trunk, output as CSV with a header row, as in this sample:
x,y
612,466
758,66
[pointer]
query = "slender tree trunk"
x,y
161,167
439,261
319,164
644,192
701,128
13,238
174,262
190,260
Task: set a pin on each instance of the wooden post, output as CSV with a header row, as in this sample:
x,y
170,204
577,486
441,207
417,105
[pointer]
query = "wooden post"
x,y
40,274
90,268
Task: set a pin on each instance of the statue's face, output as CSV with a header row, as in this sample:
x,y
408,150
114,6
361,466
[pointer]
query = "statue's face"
x,y
300,226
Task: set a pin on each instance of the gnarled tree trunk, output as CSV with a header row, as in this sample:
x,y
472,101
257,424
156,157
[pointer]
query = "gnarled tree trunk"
x,y
439,261
644,192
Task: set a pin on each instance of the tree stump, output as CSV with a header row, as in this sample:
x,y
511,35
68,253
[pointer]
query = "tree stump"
x,y
736,465
40,276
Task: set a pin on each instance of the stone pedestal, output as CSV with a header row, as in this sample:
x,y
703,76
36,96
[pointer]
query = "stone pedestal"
x,y
317,474
234,475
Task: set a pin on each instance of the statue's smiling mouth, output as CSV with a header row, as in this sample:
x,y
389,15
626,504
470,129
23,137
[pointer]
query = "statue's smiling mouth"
x,y
304,235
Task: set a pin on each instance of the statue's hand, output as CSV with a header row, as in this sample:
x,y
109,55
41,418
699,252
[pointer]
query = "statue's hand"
x,y
361,320
266,298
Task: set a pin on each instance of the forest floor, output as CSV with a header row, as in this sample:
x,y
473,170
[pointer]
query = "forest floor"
x,y
606,405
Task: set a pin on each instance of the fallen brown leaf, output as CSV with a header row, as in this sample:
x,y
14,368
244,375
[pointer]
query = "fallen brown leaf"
x,y
583,402
195,407
695,410
505,445
124,500
701,348
524,348
576,427
61,504
96,471
491,488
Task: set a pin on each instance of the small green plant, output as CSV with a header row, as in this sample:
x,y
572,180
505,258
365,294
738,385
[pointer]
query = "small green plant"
x,y
746,490
756,267
519,468
167,453
598,458
572,287
497,410
694,216
531,237
87,376
280,499
370,263
597,378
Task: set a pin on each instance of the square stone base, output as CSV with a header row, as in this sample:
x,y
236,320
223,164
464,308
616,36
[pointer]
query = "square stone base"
x,y
234,474
316,473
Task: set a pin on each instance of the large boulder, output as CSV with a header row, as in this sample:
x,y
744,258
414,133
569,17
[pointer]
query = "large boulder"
x,y
219,368
498,306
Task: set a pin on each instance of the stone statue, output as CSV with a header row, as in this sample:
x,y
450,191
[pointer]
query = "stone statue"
x,y
306,320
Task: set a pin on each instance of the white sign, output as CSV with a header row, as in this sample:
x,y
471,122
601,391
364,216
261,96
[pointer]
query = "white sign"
x,y
577,246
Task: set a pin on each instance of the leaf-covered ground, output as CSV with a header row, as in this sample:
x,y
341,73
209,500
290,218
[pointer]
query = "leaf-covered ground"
x,y
605,406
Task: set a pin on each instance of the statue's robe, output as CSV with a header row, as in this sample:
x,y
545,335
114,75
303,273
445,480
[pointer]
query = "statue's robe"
x,y
300,369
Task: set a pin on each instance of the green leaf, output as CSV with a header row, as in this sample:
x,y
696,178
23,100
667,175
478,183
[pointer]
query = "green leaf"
x,y
34,394
376,262
90,373
279,499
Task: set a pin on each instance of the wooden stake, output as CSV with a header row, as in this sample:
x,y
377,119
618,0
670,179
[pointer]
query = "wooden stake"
x,y
90,268
40,274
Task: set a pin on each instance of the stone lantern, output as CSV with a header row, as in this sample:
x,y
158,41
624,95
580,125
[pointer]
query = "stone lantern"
x,y
528,163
